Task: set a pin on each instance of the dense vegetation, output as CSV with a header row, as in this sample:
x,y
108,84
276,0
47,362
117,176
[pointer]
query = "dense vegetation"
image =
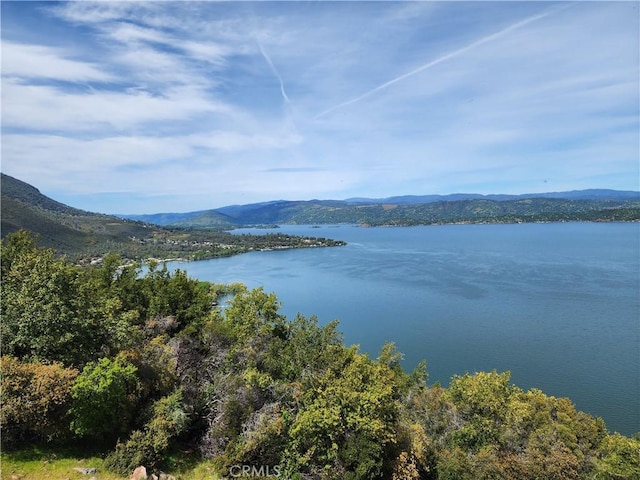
x,y
474,210
86,236
462,211
145,366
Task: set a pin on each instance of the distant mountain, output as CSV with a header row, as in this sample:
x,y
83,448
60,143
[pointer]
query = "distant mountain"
x,y
85,235
591,194
419,210
457,211
208,218
233,215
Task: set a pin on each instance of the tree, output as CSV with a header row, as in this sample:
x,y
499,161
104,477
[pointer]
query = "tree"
x,y
620,458
54,311
104,398
175,295
347,422
482,402
254,312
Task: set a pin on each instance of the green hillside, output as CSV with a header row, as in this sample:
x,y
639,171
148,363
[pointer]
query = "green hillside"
x,y
85,235
68,230
459,211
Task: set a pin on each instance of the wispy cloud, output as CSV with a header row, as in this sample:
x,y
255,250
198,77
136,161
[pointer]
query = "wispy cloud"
x,y
54,108
200,104
443,58
44,62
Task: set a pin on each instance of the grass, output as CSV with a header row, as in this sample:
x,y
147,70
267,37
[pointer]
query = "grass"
x,y
38,463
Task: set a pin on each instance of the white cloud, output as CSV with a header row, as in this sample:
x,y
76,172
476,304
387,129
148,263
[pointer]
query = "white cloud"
x,y
143,39
417,98
98,12
40,107
43,62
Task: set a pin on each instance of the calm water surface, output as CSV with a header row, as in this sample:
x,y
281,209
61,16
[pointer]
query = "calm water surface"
x,y
556,304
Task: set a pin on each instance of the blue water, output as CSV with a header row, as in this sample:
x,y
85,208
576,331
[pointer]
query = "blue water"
x,y
556,304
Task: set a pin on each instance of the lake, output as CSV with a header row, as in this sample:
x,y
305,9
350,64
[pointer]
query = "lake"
x,y
556,304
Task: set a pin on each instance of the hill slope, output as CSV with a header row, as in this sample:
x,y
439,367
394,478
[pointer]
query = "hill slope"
x,y
83,235
66,229
587,205
589,194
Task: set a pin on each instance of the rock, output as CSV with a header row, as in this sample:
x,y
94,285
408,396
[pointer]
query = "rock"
x,y
166,476
154,476
139,473
86,471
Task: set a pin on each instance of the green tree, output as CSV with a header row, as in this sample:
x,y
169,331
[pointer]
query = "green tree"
x,y
54,311
302,350
254,312
175,295
104,396
482,402
347,422
619,458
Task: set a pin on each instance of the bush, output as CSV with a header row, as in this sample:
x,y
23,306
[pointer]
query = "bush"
x,y
149,446
35,399
620,458
348,421
104,398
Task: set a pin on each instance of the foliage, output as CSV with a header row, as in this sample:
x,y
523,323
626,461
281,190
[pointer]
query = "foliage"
x,y
35,400
150,445
483,427
619,458
50,309
104,398
155,368
176,295
481,401
162,365
346,421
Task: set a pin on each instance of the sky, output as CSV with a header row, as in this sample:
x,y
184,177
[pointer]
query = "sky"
x,y
163,106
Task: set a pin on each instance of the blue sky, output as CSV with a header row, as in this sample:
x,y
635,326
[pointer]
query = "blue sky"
x,y
156,106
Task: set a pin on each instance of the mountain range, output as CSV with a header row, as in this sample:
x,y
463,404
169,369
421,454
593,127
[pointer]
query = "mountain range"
x,y
416,209
88,236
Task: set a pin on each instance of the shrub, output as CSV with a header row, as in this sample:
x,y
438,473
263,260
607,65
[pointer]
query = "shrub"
x,y
35,399
149,446
104,398
620,458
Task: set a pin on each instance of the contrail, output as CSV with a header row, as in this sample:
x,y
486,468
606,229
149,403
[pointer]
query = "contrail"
x,y
273,69
444,58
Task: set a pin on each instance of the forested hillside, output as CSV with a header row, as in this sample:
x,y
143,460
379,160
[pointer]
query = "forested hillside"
x,y
85,236
460,211
150,367
617,206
